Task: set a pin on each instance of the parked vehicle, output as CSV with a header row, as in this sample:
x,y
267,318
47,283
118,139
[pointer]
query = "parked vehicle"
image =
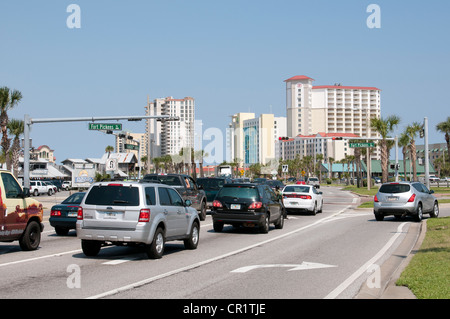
x,y
39,187
20,216
63,217
187,188
250,205
66,185
134,213
298,198
314,181
403,198
51,187
275,184
434,178
211,186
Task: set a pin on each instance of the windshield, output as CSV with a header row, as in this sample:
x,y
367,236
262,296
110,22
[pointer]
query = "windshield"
x,y
74,198
296,189
113,195
394,188
239,192
164,179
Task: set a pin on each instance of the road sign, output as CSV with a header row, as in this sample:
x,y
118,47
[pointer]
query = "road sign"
x,y
131,147
303,173
370,144
105,126
285,168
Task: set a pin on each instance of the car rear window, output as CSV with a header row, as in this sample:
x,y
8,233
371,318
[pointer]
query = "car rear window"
x,y
164,179
394,188
239,192
113,195
296,189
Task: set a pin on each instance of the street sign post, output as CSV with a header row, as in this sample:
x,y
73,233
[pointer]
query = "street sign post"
x,y
105,126
370,144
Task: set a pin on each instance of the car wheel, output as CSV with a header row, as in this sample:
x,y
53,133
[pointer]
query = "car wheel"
x,y
314,211
194,236
203,211
35,193
280,222
61,231
435,212
156,249
419,214
49,192
379,217
265,225
91,248
31,237
218,226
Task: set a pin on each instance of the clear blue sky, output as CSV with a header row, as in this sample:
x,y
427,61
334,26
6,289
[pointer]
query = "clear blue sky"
x,y
231,56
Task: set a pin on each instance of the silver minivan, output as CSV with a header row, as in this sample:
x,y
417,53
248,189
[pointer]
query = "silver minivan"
x,y
124,213
404,198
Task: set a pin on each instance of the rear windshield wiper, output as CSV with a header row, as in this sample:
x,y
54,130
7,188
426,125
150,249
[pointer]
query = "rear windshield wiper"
x,y
120,201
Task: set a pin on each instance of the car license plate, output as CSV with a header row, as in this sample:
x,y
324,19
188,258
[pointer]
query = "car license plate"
x,y
235,206
72,214
392,199
109,215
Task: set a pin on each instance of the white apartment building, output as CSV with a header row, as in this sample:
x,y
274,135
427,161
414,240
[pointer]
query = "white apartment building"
x,y
330,108
169,137
141,143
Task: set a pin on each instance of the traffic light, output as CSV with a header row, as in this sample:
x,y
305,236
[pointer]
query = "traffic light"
x,y
337,138
284,138
422,133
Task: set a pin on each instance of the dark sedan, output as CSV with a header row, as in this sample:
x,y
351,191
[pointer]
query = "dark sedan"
x,y
248,205
211,186
64,216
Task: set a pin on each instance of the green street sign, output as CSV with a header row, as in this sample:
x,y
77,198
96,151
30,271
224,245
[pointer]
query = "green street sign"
x,y
105,126
370,144
131,147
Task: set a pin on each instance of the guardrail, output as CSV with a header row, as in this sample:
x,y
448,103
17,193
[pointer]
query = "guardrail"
x,y
440,183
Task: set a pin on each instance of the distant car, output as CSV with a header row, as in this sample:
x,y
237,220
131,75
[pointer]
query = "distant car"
x,y
404,198
63,217
300,182
136,213
259,180
314,181
66,185
249,205
211,186
434,178
275,183
297,198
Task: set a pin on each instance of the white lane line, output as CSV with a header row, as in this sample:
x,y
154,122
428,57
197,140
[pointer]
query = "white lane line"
x,y
204,262
41,257
120,261
339,289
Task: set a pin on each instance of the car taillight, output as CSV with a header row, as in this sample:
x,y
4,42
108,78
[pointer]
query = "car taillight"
x,y
55,213
80,213
217,204
305,197
144,215
375,199
412,198
255,205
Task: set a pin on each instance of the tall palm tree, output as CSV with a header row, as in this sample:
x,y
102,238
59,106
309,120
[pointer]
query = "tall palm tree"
x,y
109,149
384,127
411,131
330,162
403,141
15,128
8,100
444,127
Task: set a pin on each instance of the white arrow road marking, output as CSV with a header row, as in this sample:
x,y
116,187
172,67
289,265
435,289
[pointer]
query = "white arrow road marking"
x,y
303,266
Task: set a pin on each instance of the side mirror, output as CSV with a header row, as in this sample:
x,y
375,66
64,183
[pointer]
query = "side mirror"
x,y
187,202
25,193
431,191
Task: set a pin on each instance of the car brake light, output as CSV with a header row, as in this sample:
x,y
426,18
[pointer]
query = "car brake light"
x,y
55,213
411,199
375,199
144,215
115,184
305,197
80,213
217,204
255,205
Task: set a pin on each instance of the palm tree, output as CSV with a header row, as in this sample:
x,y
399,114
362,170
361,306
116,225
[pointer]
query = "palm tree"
x,y
15,128
109,149
403,141
330,162
8,100
444,127
384,127
411,131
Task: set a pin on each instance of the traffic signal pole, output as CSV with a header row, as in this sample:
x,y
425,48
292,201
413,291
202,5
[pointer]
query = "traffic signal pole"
x,y
28,121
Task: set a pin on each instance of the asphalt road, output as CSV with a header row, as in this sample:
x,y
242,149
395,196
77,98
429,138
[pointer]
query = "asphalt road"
x,y
329,255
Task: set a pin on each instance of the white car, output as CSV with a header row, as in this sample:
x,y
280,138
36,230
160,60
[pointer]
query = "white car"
x,y
297,198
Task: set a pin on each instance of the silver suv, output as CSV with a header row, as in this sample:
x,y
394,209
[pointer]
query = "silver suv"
x,y
135,213
404,198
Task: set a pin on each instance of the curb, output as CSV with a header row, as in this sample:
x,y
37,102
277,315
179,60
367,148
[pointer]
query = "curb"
x,y
392,268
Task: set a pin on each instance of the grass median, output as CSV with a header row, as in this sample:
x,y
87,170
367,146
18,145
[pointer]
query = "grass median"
x,y
428,273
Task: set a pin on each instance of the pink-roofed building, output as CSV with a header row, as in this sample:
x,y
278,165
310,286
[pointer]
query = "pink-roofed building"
x,y
331,108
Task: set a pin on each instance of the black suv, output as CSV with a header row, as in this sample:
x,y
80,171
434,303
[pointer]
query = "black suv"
x,y
247,205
